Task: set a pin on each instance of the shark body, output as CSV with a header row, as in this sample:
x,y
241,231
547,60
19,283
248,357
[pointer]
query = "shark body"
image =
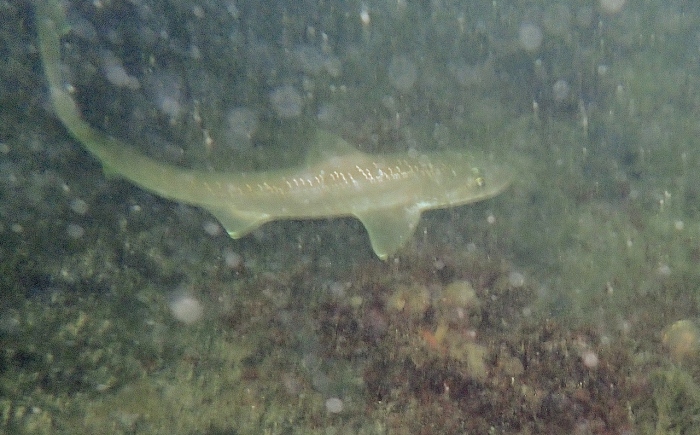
x,y
387,193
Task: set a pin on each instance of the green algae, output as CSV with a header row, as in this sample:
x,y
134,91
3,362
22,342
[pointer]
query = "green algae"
x,y
676,401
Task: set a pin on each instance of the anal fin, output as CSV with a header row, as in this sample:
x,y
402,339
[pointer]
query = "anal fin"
x,y
237,224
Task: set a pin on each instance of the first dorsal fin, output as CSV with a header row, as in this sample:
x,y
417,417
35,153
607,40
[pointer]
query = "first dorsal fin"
x,y
327,145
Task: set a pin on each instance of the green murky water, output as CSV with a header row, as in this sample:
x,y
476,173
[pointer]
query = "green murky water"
x,y
568,304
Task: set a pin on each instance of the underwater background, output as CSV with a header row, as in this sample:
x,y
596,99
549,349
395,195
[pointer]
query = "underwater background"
x,y
569,303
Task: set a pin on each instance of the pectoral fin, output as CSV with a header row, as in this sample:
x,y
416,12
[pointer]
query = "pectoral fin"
x,y
389,229
238,224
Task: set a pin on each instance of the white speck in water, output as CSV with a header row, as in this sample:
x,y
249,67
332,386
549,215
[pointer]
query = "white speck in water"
x,y
242,124
116,74
79,206
232,259
75,231
334,405
612,6
198,11
516,279
287,101
364,16
212,228
232,9
664,270
561,90
530,36
590,359
166,89
186,308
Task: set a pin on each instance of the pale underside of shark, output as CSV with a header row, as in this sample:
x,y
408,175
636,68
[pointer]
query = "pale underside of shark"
x,y
387,193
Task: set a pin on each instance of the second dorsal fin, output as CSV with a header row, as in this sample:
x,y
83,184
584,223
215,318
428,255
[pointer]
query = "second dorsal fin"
x,y
327,145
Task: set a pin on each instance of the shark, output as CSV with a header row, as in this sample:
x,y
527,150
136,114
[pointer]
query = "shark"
x,y
387,192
